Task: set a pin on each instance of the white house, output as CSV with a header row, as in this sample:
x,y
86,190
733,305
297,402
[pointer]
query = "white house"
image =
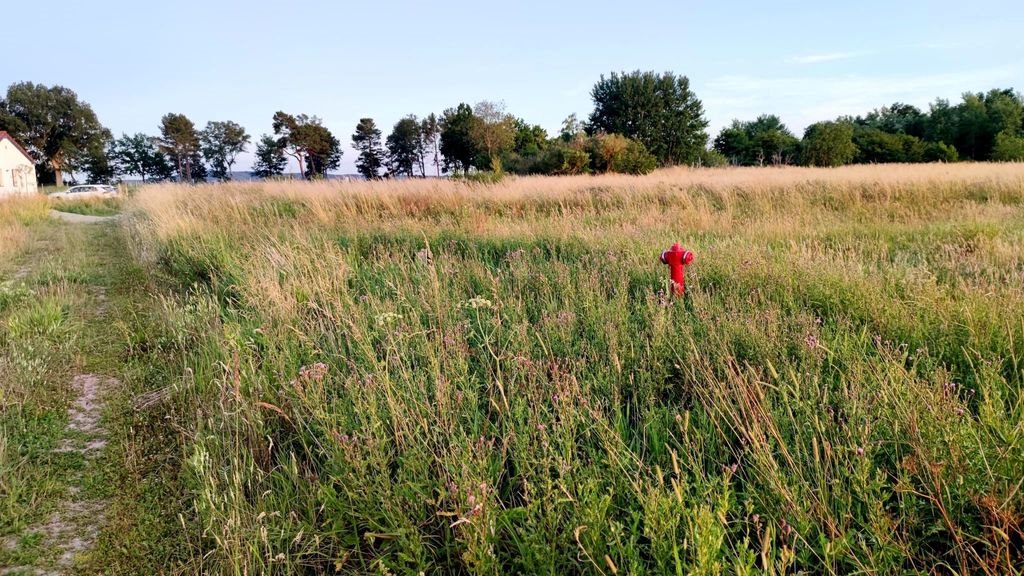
x,y
17,170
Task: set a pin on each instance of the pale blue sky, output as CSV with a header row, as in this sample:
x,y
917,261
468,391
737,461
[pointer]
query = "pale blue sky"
x,y
231,60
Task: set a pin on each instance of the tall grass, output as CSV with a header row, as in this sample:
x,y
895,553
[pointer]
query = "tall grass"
x,y
16,213
439,377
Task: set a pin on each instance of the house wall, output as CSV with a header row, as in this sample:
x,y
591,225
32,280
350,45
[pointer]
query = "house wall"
x,y
17,173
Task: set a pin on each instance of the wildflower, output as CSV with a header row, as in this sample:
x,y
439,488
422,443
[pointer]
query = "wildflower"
x,y
388,318
811,341
860,451
478,302
564,318
316,372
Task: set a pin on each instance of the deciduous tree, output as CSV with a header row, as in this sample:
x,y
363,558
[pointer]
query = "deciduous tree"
x,y
222,142
493,132
430,132
829,144
59,131
659,110
405,147
1008,147
138,156
765,140
457,144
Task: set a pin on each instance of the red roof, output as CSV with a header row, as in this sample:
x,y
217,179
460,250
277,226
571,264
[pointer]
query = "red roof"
x,y
6,136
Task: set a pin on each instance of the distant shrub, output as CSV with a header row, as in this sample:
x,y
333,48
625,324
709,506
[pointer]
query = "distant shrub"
x,y
940,152
1008,148
563,159
483,177
829,144
712,159
635,160
617,153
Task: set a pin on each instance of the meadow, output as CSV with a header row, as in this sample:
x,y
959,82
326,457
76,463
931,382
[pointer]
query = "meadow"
x,y
434,377
427,376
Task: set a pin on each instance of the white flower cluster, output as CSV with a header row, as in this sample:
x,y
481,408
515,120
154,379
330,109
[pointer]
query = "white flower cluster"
x,y
388,318
478,302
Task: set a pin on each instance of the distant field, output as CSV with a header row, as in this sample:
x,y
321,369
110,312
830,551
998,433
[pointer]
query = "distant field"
x,y
430,377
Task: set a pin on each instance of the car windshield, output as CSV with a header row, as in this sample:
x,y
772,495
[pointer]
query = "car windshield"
x,y
109,189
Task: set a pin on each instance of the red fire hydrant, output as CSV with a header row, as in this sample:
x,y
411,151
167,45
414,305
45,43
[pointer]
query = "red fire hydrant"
x,y
677,260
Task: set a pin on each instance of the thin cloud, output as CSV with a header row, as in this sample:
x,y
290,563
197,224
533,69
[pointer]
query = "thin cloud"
x,y
825,57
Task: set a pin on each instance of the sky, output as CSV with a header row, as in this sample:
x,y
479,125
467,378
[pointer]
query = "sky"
x,y
135,61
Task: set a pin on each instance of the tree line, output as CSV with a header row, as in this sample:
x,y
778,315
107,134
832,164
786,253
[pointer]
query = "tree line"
x,y
983,126
641,120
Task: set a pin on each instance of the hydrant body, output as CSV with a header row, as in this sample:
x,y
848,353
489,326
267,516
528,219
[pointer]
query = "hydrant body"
x,y
677,260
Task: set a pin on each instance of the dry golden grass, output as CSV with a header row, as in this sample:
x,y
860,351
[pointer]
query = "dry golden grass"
x,y
764,201
15,213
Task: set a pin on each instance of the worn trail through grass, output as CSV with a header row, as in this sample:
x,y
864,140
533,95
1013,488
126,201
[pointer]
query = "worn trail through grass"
x,y
64,424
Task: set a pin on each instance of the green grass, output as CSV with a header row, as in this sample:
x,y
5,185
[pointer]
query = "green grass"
x,y
79,307
444,378
89,206
839,392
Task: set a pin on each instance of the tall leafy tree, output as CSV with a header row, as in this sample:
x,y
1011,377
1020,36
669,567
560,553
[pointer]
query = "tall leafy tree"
x,y
222,142
306,139
898,118
493,132
137,155
571,128
180,141
405,147
457,144
765,140
829,144
58,130
530,142
972,125
270,159
325,158
367,140
659,110
878,146
430,133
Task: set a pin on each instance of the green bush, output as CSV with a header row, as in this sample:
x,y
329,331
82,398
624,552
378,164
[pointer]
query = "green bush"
x,y
940,152
482,177
712,159
635,160
564,160
1008,148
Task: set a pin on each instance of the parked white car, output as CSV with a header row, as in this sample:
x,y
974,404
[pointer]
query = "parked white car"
x,y
87,191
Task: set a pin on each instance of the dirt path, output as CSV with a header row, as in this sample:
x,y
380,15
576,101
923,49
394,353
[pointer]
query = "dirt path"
x,y
64,537
74,527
